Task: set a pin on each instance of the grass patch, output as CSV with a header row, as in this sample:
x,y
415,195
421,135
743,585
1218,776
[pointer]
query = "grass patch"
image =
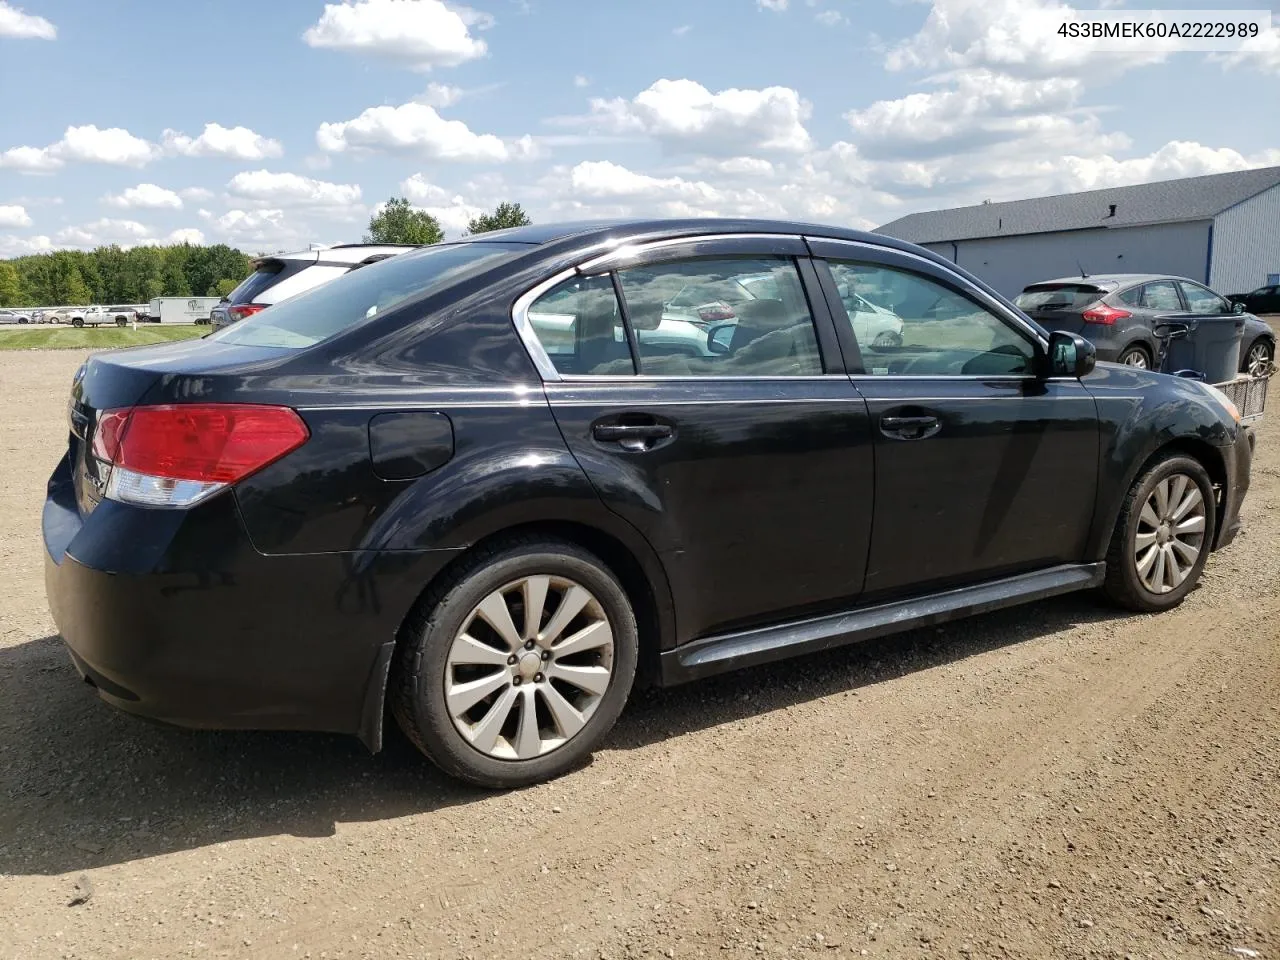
x,y
90,338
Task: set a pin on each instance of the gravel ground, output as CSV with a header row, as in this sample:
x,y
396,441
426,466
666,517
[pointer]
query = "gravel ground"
x,y
1058,780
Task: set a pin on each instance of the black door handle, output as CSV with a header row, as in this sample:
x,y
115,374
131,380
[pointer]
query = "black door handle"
x,y
632,436
909,428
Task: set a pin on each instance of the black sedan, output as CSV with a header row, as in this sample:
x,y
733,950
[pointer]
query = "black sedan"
x,y
1263,300
460,485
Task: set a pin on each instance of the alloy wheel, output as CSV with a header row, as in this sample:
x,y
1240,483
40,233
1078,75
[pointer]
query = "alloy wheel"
x,y
1258,360
529,667
1170,533
1135,358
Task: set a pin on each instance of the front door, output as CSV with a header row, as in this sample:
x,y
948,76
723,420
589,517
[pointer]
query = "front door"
x,y
704,414
983,468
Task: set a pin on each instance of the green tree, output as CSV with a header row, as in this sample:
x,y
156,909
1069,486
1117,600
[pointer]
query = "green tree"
x,y
224,287
399,222
504,215
174,273
10,286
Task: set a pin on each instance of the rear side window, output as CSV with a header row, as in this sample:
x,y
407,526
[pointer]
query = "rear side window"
x,y
1161,295
1132,296
580,328
1057,296
358,295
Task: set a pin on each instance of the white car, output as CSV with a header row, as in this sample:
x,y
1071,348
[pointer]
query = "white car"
x,y
14,316
120,316
872,324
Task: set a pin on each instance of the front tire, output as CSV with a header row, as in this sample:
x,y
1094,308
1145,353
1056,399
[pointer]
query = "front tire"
x,y
1162,537
1257,359
513,671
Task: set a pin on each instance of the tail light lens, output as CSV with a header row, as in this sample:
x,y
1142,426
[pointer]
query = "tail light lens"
x,y
1106,315
177,455
242,310
713,313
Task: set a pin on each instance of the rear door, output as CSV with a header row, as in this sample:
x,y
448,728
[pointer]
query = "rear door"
x,y
738,447
983,469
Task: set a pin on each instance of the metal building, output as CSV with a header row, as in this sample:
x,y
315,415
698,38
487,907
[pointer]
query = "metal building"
x,y
1223,230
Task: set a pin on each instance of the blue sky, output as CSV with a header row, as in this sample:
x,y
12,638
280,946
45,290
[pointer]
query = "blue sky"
x,y
275,123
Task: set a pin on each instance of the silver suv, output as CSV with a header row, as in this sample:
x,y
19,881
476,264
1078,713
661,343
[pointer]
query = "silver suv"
x,y
280,276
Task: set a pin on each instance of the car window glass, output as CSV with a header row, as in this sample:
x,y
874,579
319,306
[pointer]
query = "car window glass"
x,y
580,328
1201,299
1161,295
907,324
1047,297
1132,296
358,295
764,329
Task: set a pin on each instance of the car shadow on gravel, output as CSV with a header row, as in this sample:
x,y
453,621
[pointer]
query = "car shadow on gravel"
x,y
86,786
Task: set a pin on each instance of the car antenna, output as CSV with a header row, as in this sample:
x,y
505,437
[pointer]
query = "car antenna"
x,y
1083,275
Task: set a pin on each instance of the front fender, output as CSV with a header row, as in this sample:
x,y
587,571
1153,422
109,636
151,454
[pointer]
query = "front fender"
x,y
1141,412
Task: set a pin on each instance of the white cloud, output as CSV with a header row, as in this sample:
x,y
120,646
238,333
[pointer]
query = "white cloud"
x,y
126,233
580,81
196,193
418,129
15,246
777,6
682,30
1177,158
830,18
421,34
145,196
451,209
291,189
978,108
1262,52
237,143
605,179
1012,36
738,166
244,221
86,144
14,216
440,95
685,116
186,235
19,25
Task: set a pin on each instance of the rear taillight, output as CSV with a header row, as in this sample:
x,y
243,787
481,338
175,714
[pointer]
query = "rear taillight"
x,y
242,310
177,455
1101,313
715,312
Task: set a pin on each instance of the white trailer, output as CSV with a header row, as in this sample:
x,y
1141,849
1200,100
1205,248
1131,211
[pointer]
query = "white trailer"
x,y
182,309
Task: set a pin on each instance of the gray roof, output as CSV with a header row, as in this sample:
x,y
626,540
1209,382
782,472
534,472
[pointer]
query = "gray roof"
x,y
1167,201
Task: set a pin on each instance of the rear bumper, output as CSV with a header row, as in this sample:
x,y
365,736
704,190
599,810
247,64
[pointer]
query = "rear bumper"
x,y
173,615
1238,460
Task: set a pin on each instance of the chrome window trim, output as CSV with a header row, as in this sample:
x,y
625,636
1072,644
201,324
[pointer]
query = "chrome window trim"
x,y
524,327
994,306
604,261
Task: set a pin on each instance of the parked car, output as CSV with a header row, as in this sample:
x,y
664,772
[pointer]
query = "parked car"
x,y
278,277
71,315
1116,313
1263,300
391,490
120,316
14,316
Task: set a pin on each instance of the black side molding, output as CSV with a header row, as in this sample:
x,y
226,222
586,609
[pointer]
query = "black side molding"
x,y
729,651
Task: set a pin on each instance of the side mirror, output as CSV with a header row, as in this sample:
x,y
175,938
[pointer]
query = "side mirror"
x,y
1237,308
1070,355
720,336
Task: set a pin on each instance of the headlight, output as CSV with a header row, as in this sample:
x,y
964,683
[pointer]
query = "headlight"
x,y
1223,399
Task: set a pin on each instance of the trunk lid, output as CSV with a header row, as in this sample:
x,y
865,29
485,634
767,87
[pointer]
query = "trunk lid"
x,y
1060,305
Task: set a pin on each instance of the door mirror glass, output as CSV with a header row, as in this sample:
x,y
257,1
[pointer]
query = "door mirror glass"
x,y
1237,308
1070,355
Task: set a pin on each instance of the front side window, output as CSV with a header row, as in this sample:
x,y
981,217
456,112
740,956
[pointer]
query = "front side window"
x,y
1202,300
358,295
907,324
721,317
1161,295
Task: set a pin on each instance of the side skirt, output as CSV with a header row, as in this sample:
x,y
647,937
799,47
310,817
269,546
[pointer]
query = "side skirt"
x,y
729,651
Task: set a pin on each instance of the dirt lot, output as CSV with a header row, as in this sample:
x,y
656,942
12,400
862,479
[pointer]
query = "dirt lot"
x,y
1059,780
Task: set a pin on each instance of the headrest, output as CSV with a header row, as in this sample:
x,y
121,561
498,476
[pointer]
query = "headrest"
x,y
597,314
761,314
645,311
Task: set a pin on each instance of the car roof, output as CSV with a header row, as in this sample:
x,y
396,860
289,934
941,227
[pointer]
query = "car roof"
x,y
1113,278
341,253
623,228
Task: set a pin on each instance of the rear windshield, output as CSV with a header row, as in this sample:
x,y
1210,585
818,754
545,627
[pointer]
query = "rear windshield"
x,y
1058,296
319,313
256,282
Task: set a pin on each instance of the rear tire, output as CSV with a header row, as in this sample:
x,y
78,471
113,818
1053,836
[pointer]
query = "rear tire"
x,y
1257,359
120,321
1135,355
534,723
1162,537
77,322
